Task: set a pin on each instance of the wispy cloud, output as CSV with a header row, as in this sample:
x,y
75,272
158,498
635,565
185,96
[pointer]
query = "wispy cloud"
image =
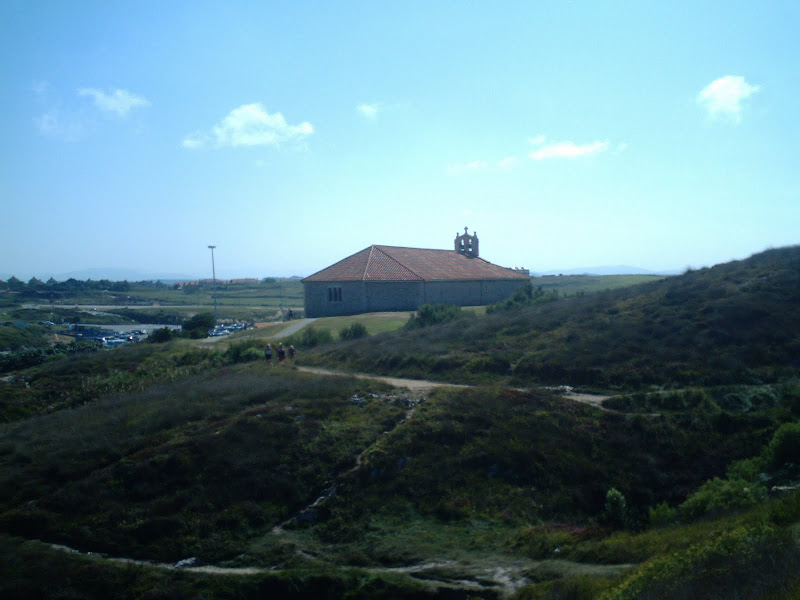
x,y
567,149
368,111
55,124
250,125
120,102
508,163
459,168
723,97
195,140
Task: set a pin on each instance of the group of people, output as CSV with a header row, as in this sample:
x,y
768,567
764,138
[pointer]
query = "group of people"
x,y
282,352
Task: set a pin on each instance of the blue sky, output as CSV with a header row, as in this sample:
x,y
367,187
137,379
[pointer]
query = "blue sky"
x,y
290,135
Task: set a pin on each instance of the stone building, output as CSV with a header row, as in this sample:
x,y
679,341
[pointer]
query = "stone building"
x,y
392,278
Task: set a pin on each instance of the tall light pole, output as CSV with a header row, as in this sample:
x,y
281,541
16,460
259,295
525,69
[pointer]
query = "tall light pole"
x,y
214,280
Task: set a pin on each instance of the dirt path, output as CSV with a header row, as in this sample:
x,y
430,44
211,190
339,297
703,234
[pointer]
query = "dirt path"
x,y
293,328
422,385
416,385
283,333
497,576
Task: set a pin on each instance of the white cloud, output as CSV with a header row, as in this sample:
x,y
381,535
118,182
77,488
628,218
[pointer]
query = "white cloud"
x,y
536,141
250,125
194,140
368,111
120,102
569,150
508,163
723,97
55,124
475,165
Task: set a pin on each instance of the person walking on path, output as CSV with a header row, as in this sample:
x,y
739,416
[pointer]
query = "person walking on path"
x,y
292,352
268,354
281,353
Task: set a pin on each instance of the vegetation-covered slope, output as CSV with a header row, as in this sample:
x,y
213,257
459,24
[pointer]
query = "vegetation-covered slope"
x,y
337,487
734,323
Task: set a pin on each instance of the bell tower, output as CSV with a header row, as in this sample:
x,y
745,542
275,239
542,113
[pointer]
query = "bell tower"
x,y
467,244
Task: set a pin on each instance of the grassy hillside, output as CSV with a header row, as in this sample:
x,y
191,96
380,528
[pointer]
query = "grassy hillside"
x,y
209,464
733,323
571,285
296,485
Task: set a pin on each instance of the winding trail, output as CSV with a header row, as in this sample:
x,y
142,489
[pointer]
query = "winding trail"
x,y
415,385
283,333
293,328
423,385
490,576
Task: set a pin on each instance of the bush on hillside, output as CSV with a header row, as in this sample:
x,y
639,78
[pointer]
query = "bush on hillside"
x,y
662,514
525,295
29,357
244,351
722,495
13,337
199,325
754,561
432,314
159,336
353,331
784,446
616,508
310,337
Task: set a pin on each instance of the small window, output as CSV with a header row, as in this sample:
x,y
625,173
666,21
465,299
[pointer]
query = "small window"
x,y
334,294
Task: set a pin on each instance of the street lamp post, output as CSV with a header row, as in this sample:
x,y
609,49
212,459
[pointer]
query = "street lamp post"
x,y
214,284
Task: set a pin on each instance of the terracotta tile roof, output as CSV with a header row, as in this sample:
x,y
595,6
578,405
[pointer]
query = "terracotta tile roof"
x,y
393,263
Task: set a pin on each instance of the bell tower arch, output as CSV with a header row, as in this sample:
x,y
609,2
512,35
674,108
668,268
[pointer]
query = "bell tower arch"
x,y
467,244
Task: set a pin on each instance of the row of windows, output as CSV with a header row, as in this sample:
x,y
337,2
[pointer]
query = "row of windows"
x,y
334,294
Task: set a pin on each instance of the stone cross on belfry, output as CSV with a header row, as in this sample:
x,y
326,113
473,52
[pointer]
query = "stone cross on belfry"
x,y
467,244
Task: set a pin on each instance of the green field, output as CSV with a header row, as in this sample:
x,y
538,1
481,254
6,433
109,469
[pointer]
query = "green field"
x,y
570,285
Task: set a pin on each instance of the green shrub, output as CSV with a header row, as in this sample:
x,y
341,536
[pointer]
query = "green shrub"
x,y
13,337
353,331
525,295
786,510
311,337
784,447
722,495
164,334
746,470
28,357
662,514
199,325
247,351
432,314
616,510
747,562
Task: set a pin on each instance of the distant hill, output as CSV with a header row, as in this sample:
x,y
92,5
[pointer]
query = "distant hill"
x,y
116,274
737,322
109,273
606,270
